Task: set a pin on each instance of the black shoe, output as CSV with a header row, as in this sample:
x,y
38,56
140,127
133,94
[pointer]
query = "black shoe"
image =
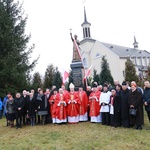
x,y
16,127
138,128
147,128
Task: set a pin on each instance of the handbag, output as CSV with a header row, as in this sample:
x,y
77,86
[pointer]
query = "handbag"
x,y
133,111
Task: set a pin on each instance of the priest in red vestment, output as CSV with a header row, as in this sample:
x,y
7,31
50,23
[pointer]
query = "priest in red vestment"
x,y
52,101
60,107
73,105
94,105
83,116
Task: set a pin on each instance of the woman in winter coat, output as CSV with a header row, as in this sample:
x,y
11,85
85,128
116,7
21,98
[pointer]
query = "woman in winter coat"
x,y
136,102
10,111
42,105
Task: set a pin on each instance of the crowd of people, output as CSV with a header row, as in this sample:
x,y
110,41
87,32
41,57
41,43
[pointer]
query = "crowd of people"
x,y
121,105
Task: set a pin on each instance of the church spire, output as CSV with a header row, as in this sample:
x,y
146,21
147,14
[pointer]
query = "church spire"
x,y
85,19
86,27
135,44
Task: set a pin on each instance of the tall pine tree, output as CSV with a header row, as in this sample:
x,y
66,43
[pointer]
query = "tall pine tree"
x,y
95,76
105,74
57,78
49,76
147,74
130,71
36,81
14,52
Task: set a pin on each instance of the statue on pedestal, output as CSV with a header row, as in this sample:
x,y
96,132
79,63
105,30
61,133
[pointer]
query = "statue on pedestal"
x,y
76,56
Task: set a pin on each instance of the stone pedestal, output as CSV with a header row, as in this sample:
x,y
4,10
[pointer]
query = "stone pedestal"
x,y
77,72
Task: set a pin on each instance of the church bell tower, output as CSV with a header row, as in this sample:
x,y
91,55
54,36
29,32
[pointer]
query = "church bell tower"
x,y
86,27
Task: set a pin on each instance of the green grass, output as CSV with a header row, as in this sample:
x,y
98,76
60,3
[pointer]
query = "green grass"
x,y
81,136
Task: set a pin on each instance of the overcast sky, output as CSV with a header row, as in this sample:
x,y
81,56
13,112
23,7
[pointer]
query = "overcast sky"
x,y
112,21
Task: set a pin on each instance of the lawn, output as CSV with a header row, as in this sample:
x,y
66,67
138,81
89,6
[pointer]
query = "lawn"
x,y
81,136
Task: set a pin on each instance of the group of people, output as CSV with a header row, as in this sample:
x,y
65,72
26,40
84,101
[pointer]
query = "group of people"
x,y
100,104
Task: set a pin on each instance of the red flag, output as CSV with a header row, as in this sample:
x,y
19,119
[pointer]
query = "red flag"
x,y
88,72
65,76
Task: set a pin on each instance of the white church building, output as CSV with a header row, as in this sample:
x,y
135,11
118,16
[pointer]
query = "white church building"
x,y
93,50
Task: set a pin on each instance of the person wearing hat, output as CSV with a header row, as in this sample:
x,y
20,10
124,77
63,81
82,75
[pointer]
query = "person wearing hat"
x,y
125,117
51,103
72,105
83,116
94,105
104,103
136,102
115,108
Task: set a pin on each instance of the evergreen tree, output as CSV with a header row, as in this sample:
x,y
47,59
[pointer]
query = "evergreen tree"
x,y
36,81
89,81
105,74
57,78
147,75
49,76
130,71
95,76
14,52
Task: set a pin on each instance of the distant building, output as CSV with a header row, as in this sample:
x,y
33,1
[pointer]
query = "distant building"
x,y
92,51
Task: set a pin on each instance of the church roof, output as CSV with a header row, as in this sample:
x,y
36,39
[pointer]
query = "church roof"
x,y
123,51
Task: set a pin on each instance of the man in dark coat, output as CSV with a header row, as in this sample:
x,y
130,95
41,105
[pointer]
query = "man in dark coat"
x,y
47,95
115,108
24,113
146,99
31,108
125,105
37,117
18,106
88,92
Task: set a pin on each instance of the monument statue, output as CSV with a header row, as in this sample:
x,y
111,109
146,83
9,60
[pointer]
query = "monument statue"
x,y
76,56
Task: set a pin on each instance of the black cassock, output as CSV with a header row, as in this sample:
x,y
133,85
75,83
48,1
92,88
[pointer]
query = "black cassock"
x,y
125,117
31,106
115,119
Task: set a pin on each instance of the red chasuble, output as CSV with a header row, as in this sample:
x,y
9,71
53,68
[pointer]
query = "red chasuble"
x,y
52,101
73,104
84,102
60,107
94,103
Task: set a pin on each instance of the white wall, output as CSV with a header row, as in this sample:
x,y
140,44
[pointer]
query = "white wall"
x,y
115,63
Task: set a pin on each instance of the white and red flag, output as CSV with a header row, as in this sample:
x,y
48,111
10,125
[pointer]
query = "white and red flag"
x,y
88,72
65,75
